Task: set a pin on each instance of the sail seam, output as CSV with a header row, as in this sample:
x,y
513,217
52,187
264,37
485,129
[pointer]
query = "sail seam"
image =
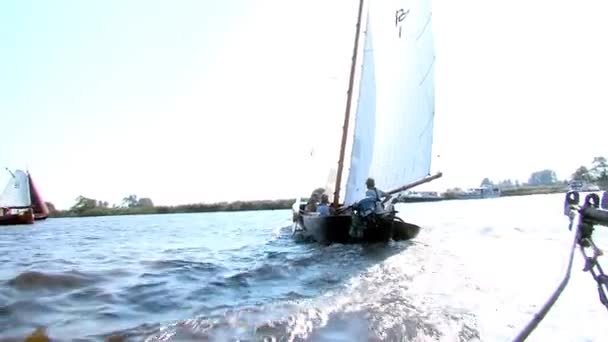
x,y
428,71
428,20
429,122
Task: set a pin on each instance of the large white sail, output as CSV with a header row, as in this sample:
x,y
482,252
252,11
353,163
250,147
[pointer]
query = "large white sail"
x,y
393,132
364,122
17,191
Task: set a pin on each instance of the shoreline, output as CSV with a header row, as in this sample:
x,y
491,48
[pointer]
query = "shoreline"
x,y
180,209
536,190
509,192
280,204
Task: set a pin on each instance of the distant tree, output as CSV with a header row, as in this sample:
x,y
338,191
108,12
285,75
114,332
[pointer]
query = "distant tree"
x,y
517,183
507,183
51,207
83,203
582,174
130,201
599,167
102,204
486,182
145,203
599,171
543,177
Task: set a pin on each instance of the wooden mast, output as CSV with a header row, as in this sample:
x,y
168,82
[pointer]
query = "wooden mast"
x,y
349,96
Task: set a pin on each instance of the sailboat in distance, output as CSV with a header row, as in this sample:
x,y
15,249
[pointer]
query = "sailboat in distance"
x,y
390,134
20,202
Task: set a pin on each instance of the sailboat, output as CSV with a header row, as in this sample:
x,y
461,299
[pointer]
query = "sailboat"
x,y
390,135
20,202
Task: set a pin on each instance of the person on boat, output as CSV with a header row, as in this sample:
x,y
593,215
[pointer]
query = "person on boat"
x,y
314,199
323,207
372,203
373,192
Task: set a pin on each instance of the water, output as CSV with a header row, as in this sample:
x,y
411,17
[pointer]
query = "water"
x,y
478,271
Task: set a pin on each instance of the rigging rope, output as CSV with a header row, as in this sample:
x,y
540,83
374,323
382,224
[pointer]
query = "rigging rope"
x,y
591,215
582,221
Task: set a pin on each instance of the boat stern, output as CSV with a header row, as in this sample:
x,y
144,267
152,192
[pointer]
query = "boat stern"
x,y
10,216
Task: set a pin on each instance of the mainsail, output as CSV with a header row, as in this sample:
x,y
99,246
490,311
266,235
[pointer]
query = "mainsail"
x,y
393,134
16,194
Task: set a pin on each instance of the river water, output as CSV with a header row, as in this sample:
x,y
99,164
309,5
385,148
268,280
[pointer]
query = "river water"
x,y
477,272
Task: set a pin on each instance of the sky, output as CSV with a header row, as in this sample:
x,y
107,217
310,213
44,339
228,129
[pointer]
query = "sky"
x,y
205,101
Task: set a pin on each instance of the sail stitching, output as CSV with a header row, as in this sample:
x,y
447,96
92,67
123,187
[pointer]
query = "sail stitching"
x,y
428,20
427,72
429,122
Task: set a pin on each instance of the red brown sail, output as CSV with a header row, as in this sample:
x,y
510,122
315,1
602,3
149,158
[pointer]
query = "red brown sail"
x,y
41,211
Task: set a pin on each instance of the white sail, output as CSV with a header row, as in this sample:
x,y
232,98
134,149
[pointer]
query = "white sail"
x,y
17,191
393,132
364,123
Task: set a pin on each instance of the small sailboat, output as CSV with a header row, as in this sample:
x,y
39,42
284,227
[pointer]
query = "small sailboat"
x,y
20,202
392,136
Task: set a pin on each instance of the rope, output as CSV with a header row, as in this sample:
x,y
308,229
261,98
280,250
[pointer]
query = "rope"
x,y
538,317
593,267
582,219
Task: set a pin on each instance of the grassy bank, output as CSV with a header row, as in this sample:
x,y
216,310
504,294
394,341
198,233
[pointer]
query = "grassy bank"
x,y
534,190
517,191
186,208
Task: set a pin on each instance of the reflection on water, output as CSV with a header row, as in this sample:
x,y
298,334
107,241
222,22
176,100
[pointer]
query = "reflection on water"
x,y
478,270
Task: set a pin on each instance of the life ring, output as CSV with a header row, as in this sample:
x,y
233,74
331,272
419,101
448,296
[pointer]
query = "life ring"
x,y
572,198
592,200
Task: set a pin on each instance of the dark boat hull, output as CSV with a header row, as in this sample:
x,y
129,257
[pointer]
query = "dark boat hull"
x,y
13,219
336,229
40,217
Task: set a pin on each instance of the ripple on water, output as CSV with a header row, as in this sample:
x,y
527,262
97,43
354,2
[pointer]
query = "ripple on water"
x,y
192,277
93,293
177,265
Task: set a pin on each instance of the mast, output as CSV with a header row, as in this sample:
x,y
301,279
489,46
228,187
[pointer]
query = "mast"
x,y
349,96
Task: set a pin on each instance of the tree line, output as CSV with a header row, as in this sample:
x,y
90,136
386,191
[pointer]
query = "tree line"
x,y
597,174
132,205
542,181
544,177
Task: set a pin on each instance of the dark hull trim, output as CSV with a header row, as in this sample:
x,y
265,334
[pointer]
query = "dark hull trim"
x,y
7,220
40,217
336,229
